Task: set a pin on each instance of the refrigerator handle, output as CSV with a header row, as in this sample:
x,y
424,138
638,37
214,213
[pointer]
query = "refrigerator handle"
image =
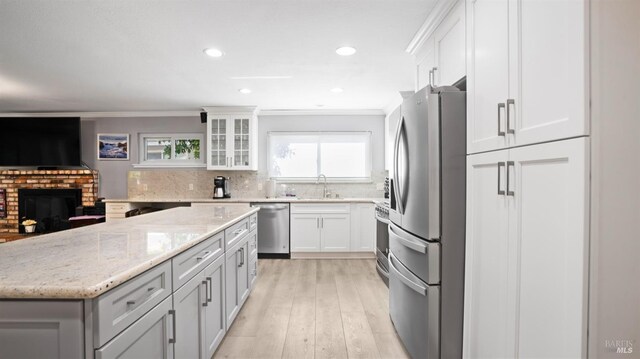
x,y
408,282
396,146
405,174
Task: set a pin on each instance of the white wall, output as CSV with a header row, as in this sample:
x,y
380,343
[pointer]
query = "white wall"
x,y
615,196
113,174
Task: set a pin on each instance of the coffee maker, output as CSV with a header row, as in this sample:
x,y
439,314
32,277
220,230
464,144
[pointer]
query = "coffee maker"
x,y
221,187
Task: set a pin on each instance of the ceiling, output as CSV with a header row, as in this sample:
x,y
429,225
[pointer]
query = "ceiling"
x,y
143,55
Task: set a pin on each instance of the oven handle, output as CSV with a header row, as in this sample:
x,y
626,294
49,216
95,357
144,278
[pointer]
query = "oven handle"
x,y
382,271
382,219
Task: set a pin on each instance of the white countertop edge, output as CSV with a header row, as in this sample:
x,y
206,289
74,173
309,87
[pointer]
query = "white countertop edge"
x,y
248,200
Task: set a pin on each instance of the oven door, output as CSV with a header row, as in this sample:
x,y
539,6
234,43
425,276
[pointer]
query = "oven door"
x,y
382,248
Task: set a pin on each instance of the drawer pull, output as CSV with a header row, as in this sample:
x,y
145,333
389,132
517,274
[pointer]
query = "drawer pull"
x,y
204,304
210,286
238,231
173,313
133,302
203,256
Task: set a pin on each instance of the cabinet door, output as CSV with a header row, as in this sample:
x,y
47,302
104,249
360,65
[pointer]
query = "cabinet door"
x,y
217,155
426,60
243,273
550,89
548,234
214,312
305,232
41,329
335,233
241,142
450,47
486,302
150,337
363,227
188,303
488,74
232,300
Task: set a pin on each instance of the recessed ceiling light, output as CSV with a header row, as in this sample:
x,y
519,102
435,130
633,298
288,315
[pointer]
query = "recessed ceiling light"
x,y
337,90
345,51
213,52
245,91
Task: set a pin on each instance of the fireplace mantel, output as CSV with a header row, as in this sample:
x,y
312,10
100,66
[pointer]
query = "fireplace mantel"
x,y
13,180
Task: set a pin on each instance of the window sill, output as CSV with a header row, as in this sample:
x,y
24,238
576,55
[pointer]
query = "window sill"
x,y
169,165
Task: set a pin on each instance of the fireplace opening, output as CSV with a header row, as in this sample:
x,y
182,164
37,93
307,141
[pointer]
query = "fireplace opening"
x,y
51,208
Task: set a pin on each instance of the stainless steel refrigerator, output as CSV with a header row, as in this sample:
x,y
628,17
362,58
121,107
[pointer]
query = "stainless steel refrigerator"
x,y
427,223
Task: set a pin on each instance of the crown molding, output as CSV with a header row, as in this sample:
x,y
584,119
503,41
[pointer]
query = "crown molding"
x,y
104,114
318,112
229,110
435,17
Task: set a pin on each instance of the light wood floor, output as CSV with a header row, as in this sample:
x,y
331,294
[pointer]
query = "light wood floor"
x,y
310,308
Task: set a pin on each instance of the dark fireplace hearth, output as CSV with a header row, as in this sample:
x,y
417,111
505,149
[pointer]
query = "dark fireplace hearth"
x,y
51,208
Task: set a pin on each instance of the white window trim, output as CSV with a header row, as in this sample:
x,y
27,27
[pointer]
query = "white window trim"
x,y
369,159
173,162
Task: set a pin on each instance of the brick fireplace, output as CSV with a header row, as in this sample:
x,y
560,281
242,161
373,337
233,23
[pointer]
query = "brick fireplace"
x,y
15,180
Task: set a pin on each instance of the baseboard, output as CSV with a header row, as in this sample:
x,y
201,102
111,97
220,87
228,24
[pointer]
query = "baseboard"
x,y
333,255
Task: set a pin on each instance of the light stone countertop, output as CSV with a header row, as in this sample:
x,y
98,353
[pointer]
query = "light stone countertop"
x,y
248,200
88,261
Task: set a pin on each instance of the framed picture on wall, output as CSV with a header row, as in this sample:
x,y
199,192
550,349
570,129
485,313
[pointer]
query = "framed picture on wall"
x,y
113,146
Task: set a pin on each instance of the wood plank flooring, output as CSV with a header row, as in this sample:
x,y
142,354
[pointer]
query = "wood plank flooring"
x,y
314,308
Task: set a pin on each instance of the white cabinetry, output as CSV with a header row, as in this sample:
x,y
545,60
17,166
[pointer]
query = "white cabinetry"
x,y
526,252
232,138
363,227
527,83
320,227
441,58
236,279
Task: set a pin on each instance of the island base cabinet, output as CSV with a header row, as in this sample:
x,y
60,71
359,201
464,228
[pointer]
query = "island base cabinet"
x,y
151,336
236,280
214,312
41,329
189,302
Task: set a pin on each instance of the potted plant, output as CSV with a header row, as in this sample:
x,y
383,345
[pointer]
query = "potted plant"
x,y
29,225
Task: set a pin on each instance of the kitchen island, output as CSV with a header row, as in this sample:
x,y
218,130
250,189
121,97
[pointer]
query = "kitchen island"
x,y
170,281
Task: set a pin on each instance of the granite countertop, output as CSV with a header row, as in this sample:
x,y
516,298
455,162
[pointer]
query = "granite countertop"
x,y
88,261
247,200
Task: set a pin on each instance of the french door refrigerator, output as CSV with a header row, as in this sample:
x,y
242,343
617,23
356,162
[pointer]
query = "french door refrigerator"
x,y
427,223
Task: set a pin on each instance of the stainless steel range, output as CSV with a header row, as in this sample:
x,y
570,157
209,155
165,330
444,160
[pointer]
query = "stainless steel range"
x,y
382,240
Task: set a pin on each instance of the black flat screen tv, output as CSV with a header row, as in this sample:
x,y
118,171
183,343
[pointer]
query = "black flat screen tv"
x,y
40,142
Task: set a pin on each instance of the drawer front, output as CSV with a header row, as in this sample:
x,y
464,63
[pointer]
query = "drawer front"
x,y
190,262
321,208
253,222
235,233
117,207
253,243
120,307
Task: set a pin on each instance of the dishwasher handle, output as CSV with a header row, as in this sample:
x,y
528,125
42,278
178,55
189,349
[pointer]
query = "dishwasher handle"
x,y
272,207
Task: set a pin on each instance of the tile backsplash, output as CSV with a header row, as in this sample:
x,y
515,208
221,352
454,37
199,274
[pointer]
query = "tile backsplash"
x,y
198,184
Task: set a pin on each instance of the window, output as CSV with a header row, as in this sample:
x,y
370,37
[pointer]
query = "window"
x,y
341,156
171,150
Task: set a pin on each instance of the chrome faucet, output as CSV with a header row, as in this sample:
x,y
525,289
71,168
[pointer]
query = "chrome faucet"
x,y
324,189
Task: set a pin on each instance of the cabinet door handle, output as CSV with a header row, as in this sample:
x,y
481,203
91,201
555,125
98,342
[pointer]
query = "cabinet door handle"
x,y
510,164
172,312
500,166
240,251
430,76
321,222
433,72
501,106
210,286
318,222
242,258
204,282
509,103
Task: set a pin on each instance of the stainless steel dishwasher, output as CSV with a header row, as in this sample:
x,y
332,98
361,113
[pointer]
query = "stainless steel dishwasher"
x,y
273,230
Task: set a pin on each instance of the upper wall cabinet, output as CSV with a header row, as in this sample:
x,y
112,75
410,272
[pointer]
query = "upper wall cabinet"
x,y
526,66
440,60
232,138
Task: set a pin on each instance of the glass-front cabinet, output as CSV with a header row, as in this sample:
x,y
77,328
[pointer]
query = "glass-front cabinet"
x,y
232,138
